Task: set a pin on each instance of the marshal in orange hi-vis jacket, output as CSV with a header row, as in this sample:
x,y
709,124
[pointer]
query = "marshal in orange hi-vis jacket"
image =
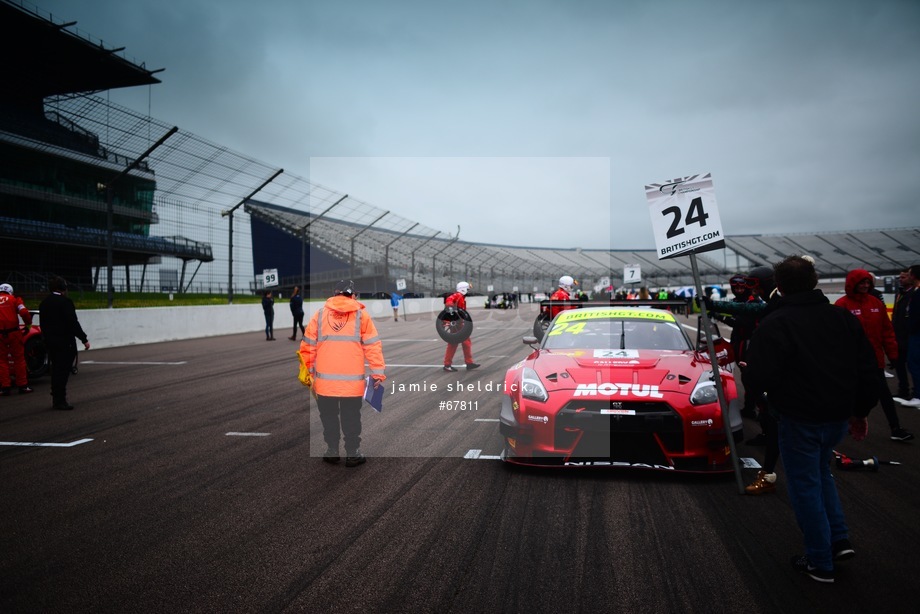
x,y
341,336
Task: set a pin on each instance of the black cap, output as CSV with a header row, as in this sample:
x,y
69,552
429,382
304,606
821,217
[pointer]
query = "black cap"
x,y
345,287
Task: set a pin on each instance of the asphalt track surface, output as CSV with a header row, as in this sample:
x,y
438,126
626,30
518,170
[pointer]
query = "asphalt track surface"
x,y
197,492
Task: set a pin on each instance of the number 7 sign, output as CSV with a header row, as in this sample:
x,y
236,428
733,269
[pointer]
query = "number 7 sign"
x,y
685,218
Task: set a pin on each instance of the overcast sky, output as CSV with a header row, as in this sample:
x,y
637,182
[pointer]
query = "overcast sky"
x,y
540,122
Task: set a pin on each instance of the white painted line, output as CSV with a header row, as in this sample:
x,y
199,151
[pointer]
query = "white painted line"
x,y
44,445
235,434
478,455
486,420
749,463
104,362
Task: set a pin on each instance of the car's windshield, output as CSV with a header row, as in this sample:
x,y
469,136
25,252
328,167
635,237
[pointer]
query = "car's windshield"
x,y
616,334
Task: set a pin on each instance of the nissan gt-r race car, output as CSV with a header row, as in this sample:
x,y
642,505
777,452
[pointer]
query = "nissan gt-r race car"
x,y
617,386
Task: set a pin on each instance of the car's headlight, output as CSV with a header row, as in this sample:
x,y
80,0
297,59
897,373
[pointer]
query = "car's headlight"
x,y
704,393
531,386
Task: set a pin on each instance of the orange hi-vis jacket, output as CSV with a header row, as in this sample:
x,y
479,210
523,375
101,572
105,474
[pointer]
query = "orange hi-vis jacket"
x,y
341,336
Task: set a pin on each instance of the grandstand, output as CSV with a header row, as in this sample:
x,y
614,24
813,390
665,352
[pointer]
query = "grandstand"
x,y
61,146
433,262
61,206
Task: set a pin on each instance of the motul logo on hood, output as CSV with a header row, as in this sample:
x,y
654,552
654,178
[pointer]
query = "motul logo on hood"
x,y
624,390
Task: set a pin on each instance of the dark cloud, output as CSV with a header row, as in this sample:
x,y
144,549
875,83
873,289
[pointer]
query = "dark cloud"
x,y
803,111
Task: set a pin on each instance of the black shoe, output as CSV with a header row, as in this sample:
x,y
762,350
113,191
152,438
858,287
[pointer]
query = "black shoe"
x,y
354,461
472,365
802,564
331,456
65,405
897,434
449,368
27,390
4,392
291,337
758,440
842,550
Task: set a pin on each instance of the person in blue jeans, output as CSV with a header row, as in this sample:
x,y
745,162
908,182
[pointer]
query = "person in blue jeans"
x,y
394,303
913,334
819,372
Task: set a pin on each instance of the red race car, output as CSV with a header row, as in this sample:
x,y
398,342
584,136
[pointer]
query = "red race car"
x,y
618,386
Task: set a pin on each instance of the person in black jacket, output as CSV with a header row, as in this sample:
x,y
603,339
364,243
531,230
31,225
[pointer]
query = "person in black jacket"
x,y
899,319
268,309
819,372
59,323
297,312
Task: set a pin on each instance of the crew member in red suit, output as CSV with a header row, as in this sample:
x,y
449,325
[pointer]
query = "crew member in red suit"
x,y
11,309
458,300
873,315
564,293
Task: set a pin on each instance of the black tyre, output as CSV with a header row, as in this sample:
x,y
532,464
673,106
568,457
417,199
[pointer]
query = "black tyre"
x,y
36,357
540,325
454,326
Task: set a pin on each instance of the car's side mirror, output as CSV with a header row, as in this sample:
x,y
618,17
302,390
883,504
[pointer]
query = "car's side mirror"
x,y
531,341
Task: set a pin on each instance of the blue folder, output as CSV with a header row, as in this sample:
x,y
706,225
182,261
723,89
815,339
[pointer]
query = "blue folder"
x,y
374,396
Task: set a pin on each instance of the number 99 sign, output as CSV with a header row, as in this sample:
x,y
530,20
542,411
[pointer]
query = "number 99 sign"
x,y
685,218
269,278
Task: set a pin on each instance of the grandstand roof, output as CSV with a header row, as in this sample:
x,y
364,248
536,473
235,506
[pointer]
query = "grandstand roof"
x,y
42,57
345,233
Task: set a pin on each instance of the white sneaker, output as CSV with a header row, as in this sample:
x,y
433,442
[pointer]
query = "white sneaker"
x,y
914,402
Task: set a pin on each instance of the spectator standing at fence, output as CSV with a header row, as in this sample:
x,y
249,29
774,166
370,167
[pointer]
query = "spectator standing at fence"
x,y
297,312
801,331
11,341
268,309
900,323
394,303
60,327
340,338
873,315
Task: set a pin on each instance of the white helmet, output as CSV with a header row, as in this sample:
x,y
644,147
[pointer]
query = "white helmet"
x,y
6,288
566,282
463,287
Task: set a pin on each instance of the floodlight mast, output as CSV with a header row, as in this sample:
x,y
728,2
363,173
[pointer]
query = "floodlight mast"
x,y
110,213
229,213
